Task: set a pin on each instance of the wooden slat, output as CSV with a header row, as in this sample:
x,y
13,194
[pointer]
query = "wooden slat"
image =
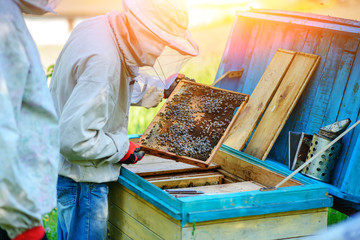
x,y
143,212
129,225
228,188
116,234
265,227
296,22
281,105
235,47
345,177
152,165
322,95
259,99
167,183
255,27
250,172
260,56
299,117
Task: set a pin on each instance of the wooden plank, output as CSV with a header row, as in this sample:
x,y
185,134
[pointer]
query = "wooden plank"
x,y
250,172
260,56
259,99
152,165
326,81
318,44
228,188
344,176
281,105
230,176
181,175
142,212
340,21
255,27
167,183
342,29
282,226
235,47
129,225
113,233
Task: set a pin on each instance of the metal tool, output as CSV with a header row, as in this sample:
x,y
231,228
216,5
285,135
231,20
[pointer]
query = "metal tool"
x,y
229,74
299,145
183,191
311,159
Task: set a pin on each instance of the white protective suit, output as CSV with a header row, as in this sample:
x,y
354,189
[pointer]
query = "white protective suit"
x,y
92,85
29,144
92,93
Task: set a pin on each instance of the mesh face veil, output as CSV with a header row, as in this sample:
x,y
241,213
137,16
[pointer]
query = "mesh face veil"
x,y
165,69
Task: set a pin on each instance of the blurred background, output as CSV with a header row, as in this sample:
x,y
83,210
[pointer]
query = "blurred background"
x,y
210,24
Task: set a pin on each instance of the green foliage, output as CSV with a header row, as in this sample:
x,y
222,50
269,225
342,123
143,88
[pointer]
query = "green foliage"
x,y
335,216
50,223
49,71
193,230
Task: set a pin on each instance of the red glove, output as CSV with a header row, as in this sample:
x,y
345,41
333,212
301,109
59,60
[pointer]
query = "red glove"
x,y
133,155
36,233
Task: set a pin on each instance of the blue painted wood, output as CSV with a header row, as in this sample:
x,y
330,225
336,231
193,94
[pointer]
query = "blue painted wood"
x,y
248,53
318,43
332,93
349,108
146,189
258,208
310,16
338,89
326,82
335,191
260,56
236,48
336,28
351,180
221,206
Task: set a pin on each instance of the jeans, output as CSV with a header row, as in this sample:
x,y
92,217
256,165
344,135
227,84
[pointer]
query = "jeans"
x,y
82,210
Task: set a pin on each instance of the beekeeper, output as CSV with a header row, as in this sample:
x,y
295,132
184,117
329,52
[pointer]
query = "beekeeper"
x,y
108,63
29,134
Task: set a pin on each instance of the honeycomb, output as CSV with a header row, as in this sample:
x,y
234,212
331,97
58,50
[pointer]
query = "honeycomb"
x,y
193,121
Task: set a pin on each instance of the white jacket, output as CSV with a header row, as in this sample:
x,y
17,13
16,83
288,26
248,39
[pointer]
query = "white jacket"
x,y
29,131
92,86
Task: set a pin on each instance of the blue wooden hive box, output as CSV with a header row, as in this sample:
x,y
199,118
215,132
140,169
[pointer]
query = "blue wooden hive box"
x,y
331,95
141,209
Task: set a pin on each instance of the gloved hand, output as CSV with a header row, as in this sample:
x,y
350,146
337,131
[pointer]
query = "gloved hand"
x,y
179,77
133,155
36,233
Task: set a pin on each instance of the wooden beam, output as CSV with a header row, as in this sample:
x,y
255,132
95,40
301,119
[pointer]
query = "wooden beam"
x,y
191,181
246,121
282,104
249,171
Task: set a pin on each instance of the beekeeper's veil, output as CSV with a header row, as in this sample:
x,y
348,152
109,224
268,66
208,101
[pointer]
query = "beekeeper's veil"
x,y
167,20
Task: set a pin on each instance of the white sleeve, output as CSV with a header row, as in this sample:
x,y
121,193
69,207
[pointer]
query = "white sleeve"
x,y
82,136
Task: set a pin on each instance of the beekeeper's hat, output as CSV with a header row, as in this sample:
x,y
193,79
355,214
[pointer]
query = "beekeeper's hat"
x,y
167,19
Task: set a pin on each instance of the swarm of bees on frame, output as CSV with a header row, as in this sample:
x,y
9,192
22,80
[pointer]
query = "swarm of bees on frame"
x,y
194,121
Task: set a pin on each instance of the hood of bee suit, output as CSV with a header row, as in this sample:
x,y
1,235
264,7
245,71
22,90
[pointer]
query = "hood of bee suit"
x,y
153,35
37,7
145,26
